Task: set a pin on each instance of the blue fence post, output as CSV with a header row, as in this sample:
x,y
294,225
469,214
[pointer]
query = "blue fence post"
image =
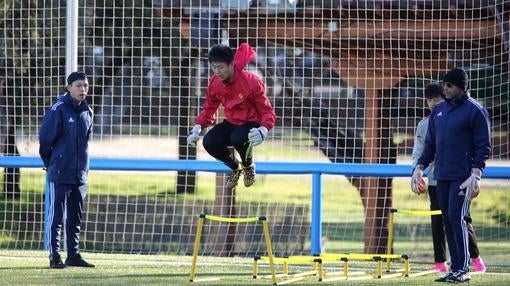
x,y
316,224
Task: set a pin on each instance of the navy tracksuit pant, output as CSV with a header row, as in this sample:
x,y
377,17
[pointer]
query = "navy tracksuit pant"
x,y
455,207
438,234
63,200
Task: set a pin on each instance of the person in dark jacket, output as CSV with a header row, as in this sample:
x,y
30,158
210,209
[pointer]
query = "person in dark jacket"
x,y
63,147
434,95
458,140
249,114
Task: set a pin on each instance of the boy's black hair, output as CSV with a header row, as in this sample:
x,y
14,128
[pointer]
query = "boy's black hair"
x,y
433,89
221,53
77,75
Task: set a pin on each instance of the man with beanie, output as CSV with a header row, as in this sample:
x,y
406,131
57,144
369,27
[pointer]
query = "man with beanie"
x,y
458,140
63,147
249,114
434,95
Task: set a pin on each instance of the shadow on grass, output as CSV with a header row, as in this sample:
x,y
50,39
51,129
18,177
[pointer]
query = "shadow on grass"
x,y
27,268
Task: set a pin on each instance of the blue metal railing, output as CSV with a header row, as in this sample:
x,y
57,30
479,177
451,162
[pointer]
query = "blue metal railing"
x,y
293,168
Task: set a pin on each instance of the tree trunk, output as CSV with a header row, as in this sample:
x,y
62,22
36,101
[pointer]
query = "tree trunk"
x,y
376,192
186,180
8,144
225,206
11,175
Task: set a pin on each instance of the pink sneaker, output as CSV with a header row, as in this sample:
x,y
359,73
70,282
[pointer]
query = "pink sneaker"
x,y
478,265
440,267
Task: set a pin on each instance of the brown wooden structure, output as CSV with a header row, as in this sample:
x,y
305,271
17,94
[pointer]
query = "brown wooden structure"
x,y
372,48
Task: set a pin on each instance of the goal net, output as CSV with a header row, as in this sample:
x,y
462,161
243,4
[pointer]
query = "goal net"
x,y
346,79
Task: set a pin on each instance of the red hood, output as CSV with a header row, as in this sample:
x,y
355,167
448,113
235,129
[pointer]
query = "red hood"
x,y
244,54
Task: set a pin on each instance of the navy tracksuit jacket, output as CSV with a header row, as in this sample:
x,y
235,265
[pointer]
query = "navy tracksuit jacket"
x,y
63,147
458,139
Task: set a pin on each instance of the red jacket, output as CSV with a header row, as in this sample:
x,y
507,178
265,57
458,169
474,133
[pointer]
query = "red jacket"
x,y
243,97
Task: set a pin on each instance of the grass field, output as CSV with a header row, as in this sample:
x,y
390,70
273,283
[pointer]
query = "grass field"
x,y
31,268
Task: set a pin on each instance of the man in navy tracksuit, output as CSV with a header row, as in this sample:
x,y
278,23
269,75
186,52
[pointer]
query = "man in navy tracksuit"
x,y
458,138
63,147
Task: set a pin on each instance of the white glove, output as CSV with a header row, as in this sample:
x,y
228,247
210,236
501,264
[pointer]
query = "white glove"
x,y
471,183
417,179
422,187
194,135
257,135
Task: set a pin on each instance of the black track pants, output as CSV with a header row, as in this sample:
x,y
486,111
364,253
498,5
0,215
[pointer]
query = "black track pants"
x,y
225,134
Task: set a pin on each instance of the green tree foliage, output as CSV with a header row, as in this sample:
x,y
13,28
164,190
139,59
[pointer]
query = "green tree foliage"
x,y
31,51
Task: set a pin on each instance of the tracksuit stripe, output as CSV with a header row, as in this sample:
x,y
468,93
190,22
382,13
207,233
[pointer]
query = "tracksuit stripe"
x,y
46,213
50,203
463,223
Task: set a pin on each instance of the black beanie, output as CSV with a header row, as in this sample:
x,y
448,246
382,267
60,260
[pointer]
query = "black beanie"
x,y
433,89
457,77
77,75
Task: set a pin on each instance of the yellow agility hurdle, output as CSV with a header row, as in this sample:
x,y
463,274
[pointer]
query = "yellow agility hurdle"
x,y
267,237
391,227
318,262
317,268
378,258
